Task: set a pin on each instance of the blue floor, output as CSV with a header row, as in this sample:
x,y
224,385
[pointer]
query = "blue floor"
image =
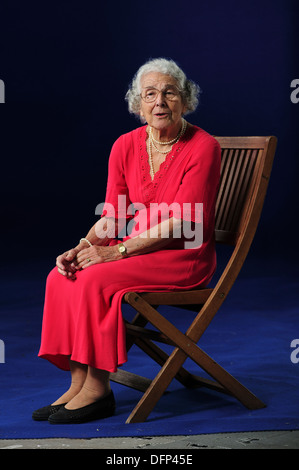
x,y
250,336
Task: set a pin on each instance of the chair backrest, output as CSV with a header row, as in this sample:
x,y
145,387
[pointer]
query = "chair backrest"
x,y
245,172
245,165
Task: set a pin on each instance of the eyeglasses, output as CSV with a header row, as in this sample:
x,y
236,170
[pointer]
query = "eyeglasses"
x,y
151,94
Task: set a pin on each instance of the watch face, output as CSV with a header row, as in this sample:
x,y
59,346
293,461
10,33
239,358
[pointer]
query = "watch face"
x,y
122,249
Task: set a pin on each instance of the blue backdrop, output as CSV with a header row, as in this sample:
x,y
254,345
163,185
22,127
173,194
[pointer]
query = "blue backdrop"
x,y
66,67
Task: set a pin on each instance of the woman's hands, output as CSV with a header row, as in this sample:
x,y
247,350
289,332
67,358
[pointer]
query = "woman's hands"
x,y
81,257
66,263
96,254
71,261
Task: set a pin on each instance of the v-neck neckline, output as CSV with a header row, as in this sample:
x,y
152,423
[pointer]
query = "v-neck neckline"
x,y
151,185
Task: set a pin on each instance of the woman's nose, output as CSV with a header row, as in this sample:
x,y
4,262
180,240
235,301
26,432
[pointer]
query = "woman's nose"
x,y
160,101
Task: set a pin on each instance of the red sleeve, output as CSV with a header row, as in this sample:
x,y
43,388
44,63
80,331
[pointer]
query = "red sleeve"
x,y
117,193
200,183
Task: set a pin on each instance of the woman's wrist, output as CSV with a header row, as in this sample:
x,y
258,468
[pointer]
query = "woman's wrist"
x,y
81,246
85,240
84,243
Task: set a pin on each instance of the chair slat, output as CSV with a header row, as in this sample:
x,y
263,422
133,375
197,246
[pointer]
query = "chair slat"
x,y
237,173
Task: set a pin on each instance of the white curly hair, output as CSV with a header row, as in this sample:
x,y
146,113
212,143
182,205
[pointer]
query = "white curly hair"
x,y
189,90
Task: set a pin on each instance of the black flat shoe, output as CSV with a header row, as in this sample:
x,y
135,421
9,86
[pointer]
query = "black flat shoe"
x,y
42,414
102,408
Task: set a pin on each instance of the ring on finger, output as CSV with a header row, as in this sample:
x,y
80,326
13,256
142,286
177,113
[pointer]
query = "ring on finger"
x,y
88,260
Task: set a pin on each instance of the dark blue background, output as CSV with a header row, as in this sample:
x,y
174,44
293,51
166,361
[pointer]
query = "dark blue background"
x,y
67,65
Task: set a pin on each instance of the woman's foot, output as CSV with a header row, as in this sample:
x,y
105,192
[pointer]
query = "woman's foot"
x,y
69,394
78,377
102,408
85,397
96,386
42,414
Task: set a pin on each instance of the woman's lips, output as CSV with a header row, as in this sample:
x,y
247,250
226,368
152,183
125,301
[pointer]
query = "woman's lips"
x,y
159,115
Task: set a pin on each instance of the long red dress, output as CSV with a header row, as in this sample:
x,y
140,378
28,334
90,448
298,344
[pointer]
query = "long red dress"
x,y
82,318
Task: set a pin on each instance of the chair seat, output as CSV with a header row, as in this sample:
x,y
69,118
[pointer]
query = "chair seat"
x,y
195,297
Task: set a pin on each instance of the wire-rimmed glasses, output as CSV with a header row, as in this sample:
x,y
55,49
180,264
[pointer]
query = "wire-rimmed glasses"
x,y
149,95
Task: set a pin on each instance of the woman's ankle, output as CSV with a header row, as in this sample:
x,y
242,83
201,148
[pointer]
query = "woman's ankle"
x,y
87,396
74,389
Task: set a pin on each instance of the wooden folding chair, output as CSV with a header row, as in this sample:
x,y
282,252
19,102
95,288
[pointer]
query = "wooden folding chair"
x,y
245,171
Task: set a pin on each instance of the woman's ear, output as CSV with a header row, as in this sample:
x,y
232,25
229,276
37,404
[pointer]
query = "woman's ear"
x,y
141,117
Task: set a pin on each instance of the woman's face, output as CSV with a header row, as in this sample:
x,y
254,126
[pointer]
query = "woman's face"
x,y
166,110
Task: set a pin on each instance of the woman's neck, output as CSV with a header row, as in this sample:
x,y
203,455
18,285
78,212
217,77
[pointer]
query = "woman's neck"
x,y
167,134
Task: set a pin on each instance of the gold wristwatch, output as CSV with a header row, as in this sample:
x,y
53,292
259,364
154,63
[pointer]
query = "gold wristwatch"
x,y
122,249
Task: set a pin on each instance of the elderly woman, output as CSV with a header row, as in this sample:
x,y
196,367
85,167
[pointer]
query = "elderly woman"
x,y
162,184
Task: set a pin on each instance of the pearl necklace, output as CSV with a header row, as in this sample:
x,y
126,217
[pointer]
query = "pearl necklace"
x,y
184,125
160,151
151,143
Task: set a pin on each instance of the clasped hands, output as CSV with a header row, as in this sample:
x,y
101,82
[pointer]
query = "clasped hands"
x,y
75,259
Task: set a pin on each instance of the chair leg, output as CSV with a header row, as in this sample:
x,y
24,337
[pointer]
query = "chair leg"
x,y
152,350
169,370
186,347
160,356
138,320
154,392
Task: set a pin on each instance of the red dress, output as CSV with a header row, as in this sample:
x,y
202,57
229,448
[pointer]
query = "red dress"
x,y
83,318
